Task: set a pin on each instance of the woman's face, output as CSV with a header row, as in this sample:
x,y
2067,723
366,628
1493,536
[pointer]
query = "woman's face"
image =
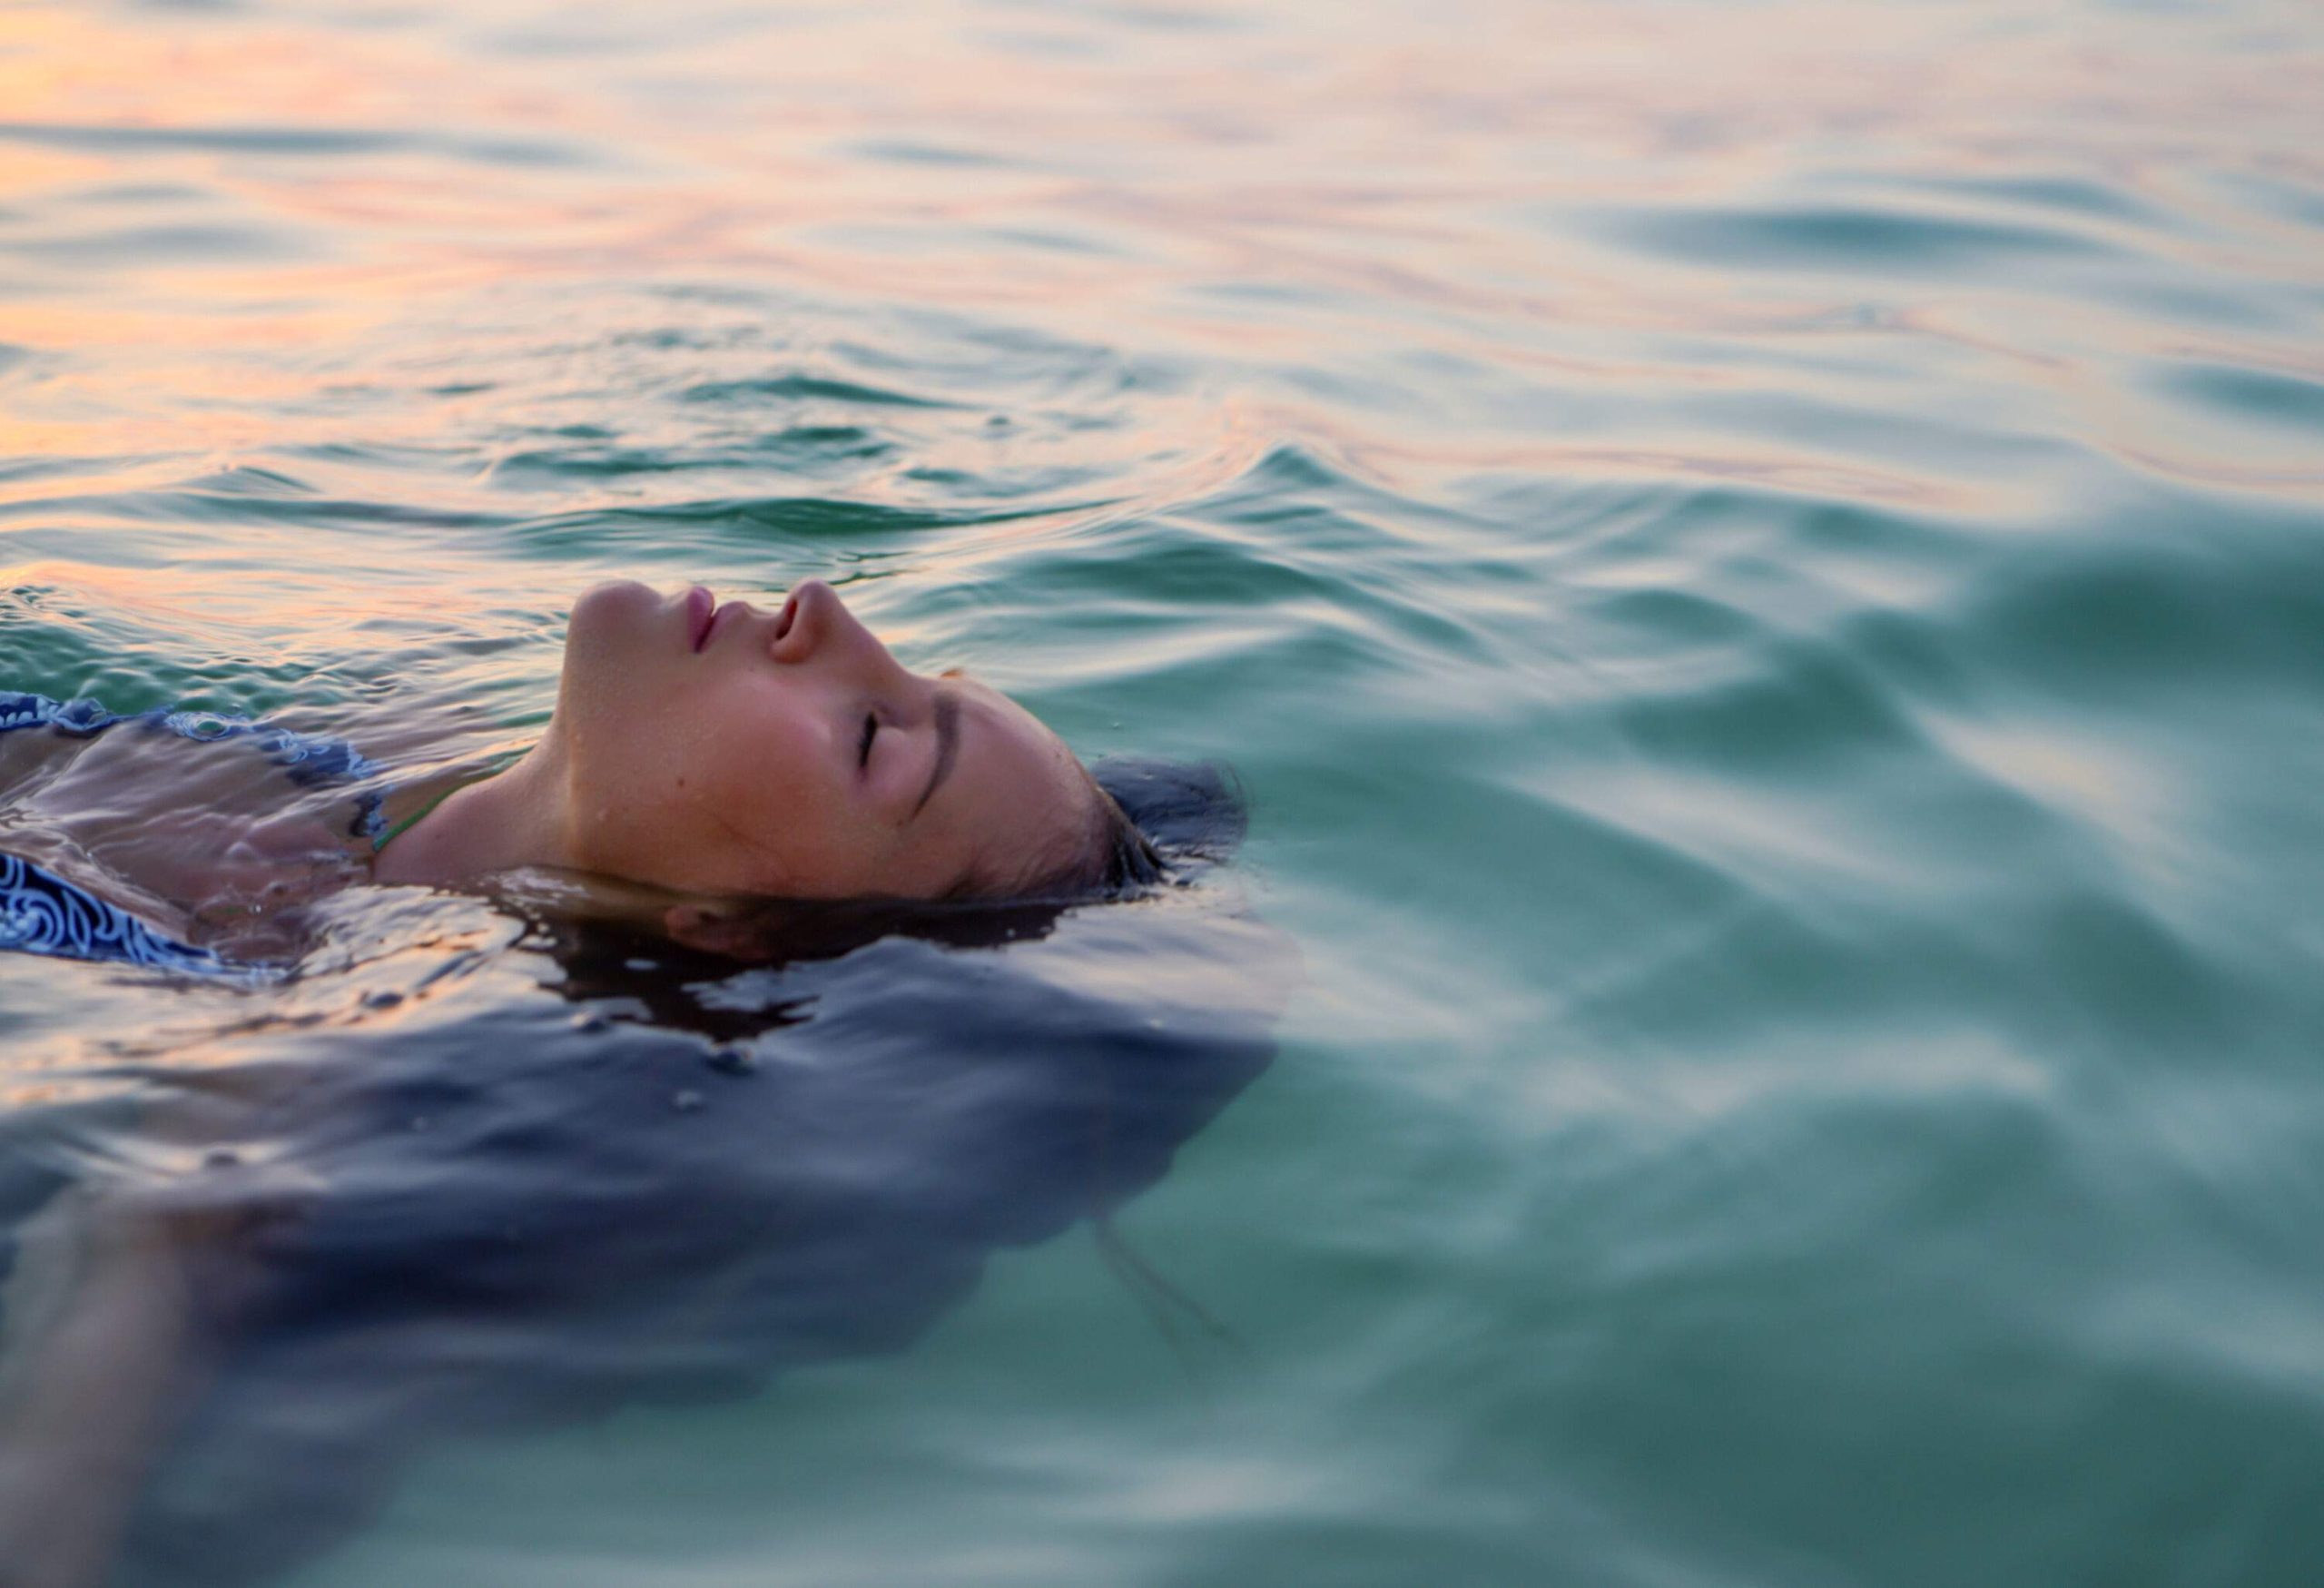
x,y
721,749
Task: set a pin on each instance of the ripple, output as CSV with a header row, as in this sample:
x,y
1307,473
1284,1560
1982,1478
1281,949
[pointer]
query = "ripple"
x,y
2169,617
2281,197
1846,238
239,505
249,479
802,388
141,246
2076,195
721,526
2267,396
901,152
308,141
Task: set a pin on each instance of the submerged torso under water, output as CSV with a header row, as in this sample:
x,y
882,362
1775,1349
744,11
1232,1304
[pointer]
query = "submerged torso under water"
x,y
198,869
454,1175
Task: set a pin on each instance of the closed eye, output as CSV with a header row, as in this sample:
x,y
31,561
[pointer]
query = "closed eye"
x,y
864,744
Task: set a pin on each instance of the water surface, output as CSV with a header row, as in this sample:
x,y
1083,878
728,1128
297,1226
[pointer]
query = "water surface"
x,y
1764,568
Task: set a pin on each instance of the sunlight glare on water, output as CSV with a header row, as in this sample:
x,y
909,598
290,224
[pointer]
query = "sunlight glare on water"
x,y
1763,566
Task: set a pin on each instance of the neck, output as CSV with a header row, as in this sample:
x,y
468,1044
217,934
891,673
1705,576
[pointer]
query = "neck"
x,y
498,824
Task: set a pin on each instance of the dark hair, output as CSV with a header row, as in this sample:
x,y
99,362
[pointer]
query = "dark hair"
x,y
1191,813
1157,820
1127,858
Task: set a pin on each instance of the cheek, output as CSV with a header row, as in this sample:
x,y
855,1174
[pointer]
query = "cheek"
x,y
611,687
765,786
722,789
650,783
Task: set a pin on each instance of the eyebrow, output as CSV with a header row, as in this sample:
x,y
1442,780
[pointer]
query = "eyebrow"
x,y
948,744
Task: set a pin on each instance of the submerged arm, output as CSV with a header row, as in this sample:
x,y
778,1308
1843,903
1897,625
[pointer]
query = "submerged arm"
x,y
106,1340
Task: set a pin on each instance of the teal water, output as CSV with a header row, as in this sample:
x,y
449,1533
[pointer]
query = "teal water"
x,y
1763,566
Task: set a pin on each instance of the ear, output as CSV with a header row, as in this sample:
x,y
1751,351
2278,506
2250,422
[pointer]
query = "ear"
x,y
701,928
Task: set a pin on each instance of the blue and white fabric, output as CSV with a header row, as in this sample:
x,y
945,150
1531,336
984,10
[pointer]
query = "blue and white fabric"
x,y
310,760
42,914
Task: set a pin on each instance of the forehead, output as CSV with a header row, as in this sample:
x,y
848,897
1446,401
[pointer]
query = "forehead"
x,y
1017,801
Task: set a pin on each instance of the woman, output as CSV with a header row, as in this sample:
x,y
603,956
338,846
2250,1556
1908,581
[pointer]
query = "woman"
x,y
696,747
287,1278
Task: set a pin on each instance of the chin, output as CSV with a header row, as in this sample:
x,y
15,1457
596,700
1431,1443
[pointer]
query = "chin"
x,y
611,612
613,599
610,636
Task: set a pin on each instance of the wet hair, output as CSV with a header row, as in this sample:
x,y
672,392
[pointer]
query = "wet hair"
x,y
1193,813
1125,859
1149,822
1152,823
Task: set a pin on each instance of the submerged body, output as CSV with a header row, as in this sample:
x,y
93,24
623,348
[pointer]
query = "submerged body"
x,y
286,1235
172,838
600,1170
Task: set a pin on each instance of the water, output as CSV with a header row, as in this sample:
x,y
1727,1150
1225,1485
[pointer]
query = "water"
x,y
1763,565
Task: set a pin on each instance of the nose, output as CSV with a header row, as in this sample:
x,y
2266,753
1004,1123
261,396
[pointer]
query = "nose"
x,y
815,626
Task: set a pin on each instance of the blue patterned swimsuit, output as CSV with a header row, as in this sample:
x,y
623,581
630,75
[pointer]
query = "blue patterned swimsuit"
x,y
42,914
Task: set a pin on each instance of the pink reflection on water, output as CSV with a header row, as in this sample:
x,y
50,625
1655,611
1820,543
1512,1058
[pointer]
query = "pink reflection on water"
x,y
1292,192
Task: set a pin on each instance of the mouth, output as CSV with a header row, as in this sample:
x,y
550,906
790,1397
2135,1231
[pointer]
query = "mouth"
x,y
702,612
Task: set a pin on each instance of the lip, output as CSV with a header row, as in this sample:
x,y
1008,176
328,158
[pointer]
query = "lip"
x,y
702,612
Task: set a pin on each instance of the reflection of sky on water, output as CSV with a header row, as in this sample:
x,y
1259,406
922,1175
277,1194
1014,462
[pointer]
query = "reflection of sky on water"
x,y
1759,559
245,229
